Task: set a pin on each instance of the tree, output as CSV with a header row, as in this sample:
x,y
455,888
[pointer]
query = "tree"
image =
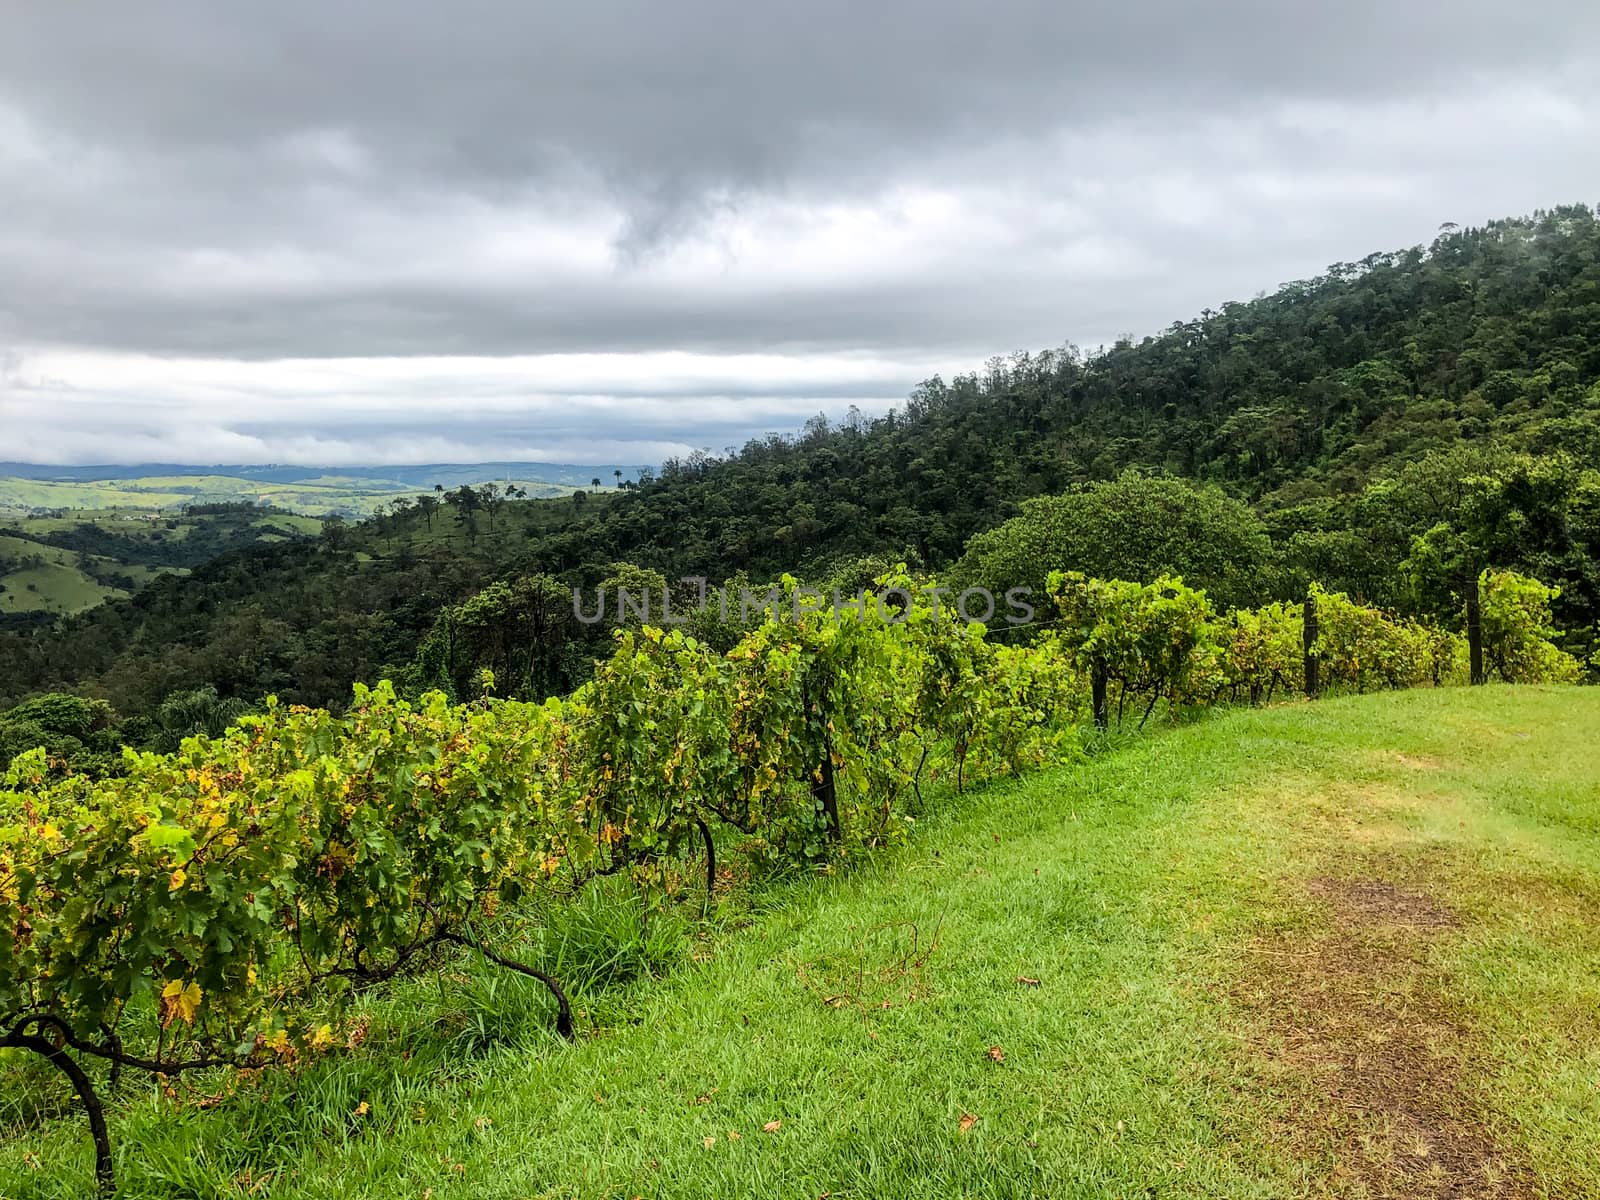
x,y
1468,510
80,733
517,630
491,499
1134,527
466,501
201,711
335,530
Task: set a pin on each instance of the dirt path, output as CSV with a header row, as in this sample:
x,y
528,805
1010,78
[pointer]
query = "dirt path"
x,y
1355,1036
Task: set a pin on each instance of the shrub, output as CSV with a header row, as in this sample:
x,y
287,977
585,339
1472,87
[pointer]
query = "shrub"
x,y
1517,630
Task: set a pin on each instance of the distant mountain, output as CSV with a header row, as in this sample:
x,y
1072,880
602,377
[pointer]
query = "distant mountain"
x,y
396,477
32,490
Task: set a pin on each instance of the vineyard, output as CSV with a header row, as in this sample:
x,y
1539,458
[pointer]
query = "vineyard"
x,y
221,908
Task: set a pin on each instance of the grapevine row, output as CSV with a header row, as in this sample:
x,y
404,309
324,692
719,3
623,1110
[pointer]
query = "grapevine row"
x,y
192,912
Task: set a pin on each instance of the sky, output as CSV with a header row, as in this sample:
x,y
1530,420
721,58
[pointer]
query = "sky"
x,y
616,231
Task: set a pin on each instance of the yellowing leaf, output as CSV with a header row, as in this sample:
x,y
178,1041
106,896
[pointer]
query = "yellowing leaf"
x,y
180,1002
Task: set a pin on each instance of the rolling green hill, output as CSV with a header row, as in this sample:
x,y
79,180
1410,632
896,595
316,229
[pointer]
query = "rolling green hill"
x,y
134,527
36,577
74,559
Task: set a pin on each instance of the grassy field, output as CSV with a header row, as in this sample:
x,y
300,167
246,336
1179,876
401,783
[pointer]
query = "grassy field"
x,y
136,540
36,577
40,578
124,521
1344,948
316,496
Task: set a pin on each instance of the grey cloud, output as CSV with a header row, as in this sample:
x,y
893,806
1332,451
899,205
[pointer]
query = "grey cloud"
x,y
722,86
925,181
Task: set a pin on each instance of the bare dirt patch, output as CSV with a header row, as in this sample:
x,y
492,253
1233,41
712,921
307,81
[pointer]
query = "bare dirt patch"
x,y
1369,1055
1376,901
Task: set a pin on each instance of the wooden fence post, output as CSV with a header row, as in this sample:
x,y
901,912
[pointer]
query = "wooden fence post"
x,y
1308,640
824,789
1475,630
1097,687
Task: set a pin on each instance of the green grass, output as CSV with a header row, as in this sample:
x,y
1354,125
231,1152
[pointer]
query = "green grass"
x,y
59,584
52,588
1134,889
56,583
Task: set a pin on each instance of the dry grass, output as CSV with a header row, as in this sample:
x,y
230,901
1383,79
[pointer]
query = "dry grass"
x,y
1346,1018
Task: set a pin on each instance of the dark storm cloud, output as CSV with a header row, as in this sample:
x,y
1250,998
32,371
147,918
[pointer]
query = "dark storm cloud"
x,y
918,183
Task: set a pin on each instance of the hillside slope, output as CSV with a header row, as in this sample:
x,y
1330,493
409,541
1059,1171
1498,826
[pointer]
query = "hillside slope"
x,y
1331,949
75,559
1489,338
36,577
1489,335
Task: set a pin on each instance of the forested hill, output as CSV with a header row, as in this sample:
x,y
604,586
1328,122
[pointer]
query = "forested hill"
x,y
1293,402
1490,334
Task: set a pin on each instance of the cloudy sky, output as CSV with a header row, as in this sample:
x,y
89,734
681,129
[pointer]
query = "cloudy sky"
x,y
610,231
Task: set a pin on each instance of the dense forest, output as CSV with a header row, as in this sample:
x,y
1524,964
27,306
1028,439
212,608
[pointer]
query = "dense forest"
x,y
1386,429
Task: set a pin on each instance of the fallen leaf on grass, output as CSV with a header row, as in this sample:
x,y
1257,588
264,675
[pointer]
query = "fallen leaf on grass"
x,y
1027,981
734,1135
708,1142
996,1054
772,1127
967,1121
361,1109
